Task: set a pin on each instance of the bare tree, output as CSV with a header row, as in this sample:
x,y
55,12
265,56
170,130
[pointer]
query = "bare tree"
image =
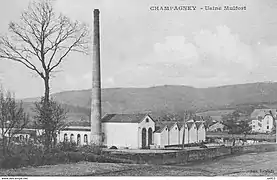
x,y
42,40
13,119
51,119
187,117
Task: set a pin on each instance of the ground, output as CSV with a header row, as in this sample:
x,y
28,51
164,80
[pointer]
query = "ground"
x,y
262,164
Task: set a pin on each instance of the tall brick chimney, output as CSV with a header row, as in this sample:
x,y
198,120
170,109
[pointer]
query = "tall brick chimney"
x,y
96,134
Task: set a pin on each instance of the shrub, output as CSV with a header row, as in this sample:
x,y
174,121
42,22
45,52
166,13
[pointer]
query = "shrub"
x,y
11,162
67,146
62,157
76,156
90,149
90,157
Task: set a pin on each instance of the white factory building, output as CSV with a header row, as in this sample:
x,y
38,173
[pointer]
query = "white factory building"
x,y
136,131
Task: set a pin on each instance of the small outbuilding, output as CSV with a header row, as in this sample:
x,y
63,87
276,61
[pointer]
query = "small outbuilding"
x,y
161,136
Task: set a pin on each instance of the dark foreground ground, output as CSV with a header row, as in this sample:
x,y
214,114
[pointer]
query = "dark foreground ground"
x,y
262,164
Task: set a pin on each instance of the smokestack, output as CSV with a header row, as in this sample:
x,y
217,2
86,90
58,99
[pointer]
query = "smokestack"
x,y
96,135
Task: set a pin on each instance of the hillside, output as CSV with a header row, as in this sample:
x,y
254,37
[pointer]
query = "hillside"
x,y
173,98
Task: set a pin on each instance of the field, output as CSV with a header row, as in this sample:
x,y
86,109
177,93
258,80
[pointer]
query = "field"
x,y
262,164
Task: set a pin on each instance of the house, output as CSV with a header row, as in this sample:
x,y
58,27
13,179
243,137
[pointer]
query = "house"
x,y
217,127
183,127
128,130
161,136
262,120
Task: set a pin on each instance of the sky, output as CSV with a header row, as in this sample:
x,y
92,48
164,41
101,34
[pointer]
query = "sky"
x,y
143,48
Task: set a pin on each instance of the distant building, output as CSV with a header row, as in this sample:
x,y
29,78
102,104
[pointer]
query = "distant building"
x,y
262,120
217,127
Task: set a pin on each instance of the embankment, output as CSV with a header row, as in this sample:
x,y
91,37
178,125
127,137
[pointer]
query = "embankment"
x,y
186,156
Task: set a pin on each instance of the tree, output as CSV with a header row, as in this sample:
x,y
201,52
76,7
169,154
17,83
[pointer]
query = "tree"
x,y
187,117
244,128
236,126
13,119
50,117
41,40
232,127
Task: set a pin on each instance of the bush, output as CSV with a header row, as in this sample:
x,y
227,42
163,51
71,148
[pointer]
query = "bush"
x,y
11,162
76,156
67,146
91,157
91,149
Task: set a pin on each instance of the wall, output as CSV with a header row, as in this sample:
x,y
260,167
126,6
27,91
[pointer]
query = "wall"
x,y
164,137
181,132
121,134
173,135
81,132
192,134
267,121
201,133
146,125
193,155
157,140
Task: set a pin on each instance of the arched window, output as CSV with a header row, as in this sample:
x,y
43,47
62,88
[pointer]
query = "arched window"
x,y
150,138
78,139
143,137
86,139
72,138
21,137
65,139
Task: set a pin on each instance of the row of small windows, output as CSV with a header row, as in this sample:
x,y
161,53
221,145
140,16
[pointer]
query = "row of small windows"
x,y
78,138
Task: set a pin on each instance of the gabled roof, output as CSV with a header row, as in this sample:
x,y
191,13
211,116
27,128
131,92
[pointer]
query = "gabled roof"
x,y
124,118
262,113
198,124
180,124
169,124
159,128
197,118
190,124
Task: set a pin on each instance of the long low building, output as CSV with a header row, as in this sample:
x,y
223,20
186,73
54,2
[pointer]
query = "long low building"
x,y
133,131
137,131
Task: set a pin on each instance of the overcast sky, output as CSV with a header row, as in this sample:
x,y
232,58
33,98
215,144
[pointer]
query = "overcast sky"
x,y
143,48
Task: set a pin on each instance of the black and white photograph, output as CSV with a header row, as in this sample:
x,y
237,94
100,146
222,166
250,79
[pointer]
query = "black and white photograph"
x,y
132,88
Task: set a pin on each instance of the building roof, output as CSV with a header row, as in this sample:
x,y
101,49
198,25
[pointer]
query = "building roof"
x,y
169,124
197,118
262,113
180,124
124,118
198,124
79,123
190,124
159,128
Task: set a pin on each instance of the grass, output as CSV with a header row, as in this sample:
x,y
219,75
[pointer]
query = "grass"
x,y
74,169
